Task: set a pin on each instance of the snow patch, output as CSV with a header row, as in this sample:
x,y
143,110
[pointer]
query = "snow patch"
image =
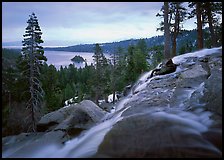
x,y
198,54
101,101
70,101
110,98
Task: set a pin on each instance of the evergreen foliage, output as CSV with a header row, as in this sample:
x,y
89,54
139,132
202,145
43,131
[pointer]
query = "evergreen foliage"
x,y
100,78
29,65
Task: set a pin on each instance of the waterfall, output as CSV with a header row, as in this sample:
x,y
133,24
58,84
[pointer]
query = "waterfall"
x,y
195,120
87,143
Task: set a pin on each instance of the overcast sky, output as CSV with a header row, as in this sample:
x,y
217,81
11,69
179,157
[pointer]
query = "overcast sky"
x,y
83,22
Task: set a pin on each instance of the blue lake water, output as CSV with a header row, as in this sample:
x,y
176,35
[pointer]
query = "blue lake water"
x,y
63,58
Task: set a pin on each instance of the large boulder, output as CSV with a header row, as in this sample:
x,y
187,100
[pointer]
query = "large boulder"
x,y
73,118
156,135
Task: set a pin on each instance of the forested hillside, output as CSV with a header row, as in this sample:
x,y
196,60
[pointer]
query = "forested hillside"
x,y
186,41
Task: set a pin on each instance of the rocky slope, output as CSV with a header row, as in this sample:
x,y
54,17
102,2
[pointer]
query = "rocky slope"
x,y
172,115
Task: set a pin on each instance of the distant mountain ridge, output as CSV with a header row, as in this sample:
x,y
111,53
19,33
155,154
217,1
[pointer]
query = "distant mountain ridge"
x,y
182,39
185,37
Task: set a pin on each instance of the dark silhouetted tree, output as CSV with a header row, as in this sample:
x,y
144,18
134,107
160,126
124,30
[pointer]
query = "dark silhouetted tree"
x,y
100,68
30,62
166,31
176,16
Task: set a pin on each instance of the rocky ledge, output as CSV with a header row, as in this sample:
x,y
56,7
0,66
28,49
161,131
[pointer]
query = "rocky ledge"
x,y
173,115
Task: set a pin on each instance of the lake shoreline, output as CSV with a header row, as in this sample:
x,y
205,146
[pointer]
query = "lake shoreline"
x,y
63,58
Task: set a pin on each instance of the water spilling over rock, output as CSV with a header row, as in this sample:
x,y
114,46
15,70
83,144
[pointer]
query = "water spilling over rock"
x,y
173,115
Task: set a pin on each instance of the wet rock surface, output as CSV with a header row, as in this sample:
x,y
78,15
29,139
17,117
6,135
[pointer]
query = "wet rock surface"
x,y
174,115
167,116
27,144
177,139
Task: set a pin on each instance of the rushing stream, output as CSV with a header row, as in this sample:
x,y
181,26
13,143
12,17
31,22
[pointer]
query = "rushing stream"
x,y
195,121
87,143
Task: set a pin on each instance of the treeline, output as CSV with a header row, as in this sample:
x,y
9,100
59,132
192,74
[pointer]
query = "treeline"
x,y
174,14
97,80
94,82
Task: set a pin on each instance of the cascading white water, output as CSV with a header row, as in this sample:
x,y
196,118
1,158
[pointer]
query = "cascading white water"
x,y
86,144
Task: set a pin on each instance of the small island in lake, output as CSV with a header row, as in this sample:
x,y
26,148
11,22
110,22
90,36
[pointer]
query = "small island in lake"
x,y
78,59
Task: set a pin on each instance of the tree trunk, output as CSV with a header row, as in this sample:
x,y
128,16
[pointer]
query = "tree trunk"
x,y
176,30
174,45
166,32
210,19
9,99
106,98
31,82
97,99
199,25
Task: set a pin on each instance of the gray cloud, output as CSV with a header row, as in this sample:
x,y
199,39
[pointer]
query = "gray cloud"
x,y
70,17
72,14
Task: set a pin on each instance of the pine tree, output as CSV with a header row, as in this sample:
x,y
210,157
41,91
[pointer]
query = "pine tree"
x,y
68,92
115,74
166,31
100,80
179,13
130,75
140,62
30,62
176,15
198,12
208,7
211,12
120,69
50,85
143,47
199,24
156,55
141,53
